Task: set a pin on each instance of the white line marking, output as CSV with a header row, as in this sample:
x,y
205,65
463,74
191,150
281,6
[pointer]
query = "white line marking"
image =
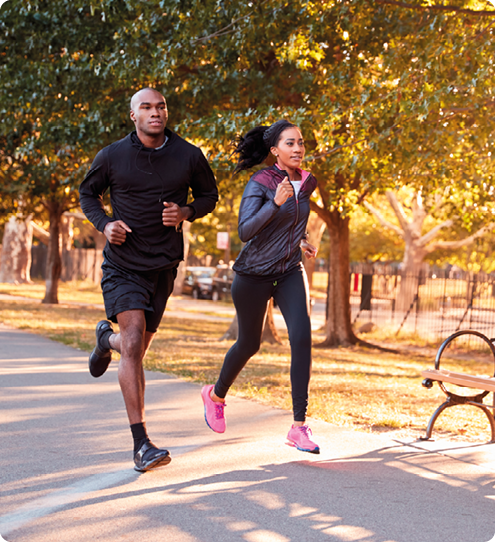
x,y
48,504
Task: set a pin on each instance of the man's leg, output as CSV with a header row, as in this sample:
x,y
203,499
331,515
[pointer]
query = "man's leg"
x,y
136,302
132,349
133,342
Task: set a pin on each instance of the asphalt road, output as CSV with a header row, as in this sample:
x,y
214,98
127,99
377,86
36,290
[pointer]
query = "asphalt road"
x,y
66,468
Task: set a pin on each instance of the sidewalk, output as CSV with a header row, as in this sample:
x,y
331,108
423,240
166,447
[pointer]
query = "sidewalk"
x,y
66,468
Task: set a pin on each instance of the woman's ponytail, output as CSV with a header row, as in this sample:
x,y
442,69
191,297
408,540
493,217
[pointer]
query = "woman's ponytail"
x,y
254,147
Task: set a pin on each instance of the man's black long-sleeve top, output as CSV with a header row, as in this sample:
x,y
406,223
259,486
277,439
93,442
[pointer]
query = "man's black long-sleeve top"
x,y
140,180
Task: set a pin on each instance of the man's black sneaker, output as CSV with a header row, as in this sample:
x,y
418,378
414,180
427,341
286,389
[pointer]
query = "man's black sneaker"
x,y
100,357
149,457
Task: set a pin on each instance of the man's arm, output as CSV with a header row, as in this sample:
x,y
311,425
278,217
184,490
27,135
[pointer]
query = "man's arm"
x,y
204,190
91,192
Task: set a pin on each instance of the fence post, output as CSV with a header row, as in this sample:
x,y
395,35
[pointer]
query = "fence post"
x,y
415,300
366,290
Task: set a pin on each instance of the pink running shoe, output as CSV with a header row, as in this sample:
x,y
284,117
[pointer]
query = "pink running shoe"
x,y
298,436
214,416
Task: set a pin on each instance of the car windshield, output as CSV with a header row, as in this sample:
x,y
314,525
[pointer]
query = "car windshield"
x,y
203,274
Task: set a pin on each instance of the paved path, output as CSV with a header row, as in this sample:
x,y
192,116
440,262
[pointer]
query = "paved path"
x,y
66,471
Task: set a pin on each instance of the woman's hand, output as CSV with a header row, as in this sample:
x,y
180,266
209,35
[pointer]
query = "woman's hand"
x,y
310,251
284,191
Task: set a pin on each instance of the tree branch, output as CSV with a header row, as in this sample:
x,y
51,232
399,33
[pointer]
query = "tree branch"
x,y
427,237
383,221
320,211
484,31
40,233
453,245
80,216
335,149
226,29
398,210
222,31
489,13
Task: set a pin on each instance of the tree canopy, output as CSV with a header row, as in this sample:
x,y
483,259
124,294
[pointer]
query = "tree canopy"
x,y
386,93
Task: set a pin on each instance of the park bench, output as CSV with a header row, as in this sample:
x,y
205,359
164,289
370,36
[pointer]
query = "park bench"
x,y
486,384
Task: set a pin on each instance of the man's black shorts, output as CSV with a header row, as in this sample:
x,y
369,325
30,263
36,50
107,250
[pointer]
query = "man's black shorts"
x,y
125,290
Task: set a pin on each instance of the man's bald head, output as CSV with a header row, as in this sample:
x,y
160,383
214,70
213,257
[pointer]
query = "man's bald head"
x,y
143,95
149,114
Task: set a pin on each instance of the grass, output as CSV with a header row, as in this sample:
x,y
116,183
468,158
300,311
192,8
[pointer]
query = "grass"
x,y
354,387
75,291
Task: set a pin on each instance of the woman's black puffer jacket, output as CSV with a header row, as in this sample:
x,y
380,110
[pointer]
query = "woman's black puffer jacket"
x,y
272,234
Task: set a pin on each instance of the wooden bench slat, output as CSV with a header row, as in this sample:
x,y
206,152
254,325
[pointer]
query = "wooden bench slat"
x,y
460,379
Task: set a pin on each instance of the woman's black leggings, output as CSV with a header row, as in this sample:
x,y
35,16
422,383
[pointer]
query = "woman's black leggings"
x,y
250,298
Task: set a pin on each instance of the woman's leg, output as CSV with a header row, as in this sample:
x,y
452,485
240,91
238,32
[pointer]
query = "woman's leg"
x,y
250,300
292,297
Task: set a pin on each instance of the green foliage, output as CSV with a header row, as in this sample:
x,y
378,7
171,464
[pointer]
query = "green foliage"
x,y
51,98
384,95
371,243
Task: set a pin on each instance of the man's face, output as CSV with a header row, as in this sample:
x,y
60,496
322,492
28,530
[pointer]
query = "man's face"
x,y
149,112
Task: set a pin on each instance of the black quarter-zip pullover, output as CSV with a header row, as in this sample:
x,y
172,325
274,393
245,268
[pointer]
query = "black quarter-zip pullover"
x,y
140,180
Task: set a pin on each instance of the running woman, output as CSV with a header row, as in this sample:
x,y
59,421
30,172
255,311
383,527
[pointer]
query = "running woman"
x,y
273,216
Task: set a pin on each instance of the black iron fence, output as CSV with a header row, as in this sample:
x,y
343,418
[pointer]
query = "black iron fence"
x,y
432,303
77,264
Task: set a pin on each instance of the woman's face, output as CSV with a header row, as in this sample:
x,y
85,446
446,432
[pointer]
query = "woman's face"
x,y
289,150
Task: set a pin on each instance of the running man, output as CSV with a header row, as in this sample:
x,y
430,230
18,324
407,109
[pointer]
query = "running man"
x,y
148,174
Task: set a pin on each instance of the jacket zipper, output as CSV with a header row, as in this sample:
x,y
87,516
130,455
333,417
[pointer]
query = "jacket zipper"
x,y
292,230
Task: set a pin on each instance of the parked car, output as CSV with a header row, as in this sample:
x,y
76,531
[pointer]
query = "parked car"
x,y
198,282
222,282
208,282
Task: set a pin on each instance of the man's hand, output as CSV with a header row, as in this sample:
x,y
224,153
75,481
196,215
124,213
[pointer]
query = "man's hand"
x,y
310,251
284,192
116,232
173,215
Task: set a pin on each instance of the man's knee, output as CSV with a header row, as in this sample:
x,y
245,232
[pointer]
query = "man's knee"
x,y
133,342
132,334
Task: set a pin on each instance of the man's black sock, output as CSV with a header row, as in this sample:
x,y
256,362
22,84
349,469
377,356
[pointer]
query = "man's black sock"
x,y
139,435
105,340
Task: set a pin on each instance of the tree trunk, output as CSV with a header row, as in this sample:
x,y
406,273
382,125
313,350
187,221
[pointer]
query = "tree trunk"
x,y
226,254
412,265
233,332
67,236
181,271
338,326
16,251
67,231
53,259
270,334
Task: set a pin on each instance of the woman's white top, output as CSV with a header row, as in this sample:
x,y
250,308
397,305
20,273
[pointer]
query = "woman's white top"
x,y
297,188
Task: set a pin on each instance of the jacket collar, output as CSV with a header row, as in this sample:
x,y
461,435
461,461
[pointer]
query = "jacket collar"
x,y
136,142
304,174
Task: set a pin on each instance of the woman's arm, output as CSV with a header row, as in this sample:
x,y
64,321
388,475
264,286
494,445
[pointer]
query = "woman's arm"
x,y
256,211
258,208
